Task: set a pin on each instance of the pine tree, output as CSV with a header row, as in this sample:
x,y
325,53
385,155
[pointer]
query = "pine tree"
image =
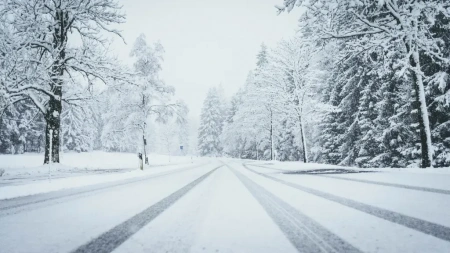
x,y
210,125
232,143
367,145
287,149
261,58
438,94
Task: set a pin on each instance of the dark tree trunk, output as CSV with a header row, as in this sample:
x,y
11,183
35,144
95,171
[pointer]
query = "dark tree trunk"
x,y
53,114
52,132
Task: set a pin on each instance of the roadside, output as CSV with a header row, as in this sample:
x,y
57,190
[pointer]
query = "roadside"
x,y
300,168
24,176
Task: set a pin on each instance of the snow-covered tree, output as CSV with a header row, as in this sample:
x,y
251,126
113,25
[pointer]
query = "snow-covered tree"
x,y
132,106
233,144
295,77
46,46
21,128
210,125
386,28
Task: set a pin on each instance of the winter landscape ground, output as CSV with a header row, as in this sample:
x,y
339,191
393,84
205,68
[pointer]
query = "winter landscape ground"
x,y
221,205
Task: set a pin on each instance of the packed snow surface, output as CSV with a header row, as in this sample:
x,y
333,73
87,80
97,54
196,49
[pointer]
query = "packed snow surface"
x,y
227,205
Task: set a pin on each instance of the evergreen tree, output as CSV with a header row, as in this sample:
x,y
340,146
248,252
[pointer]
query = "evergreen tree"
x,y
367,147
261,58
287,149
210,125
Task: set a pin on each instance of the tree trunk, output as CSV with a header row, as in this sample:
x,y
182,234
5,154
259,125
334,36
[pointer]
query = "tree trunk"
x,y
52,132
271,137
302,135
144,141
143,128
53,114
256,149
424,124
302,129
241,149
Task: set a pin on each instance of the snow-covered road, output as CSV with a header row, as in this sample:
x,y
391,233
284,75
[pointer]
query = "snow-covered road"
x,y
234,206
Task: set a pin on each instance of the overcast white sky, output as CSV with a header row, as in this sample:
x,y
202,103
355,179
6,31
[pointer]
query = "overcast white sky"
x,y
207,42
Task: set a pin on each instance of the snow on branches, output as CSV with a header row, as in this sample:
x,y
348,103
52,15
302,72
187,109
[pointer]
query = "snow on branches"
x,y
41,59
404,35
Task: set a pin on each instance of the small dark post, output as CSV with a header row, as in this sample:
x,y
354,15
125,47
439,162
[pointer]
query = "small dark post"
x,y
141,165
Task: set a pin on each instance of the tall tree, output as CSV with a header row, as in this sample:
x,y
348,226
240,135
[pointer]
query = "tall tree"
x,y
40,59
133,105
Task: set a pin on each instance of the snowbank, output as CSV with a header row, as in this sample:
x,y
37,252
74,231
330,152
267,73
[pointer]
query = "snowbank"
x,y
94,159
50,184
24,175
299,166
31,163
293,166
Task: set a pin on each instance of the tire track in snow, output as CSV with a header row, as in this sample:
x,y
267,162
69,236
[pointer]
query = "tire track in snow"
x,y
19,204
409,187
430,228
303,232
111,239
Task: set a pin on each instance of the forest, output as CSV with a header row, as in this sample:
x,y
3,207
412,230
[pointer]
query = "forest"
x,y
362,83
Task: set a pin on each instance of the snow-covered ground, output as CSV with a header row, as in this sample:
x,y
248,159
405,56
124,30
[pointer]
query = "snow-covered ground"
x,y
60,225
292,166
330,203
229,205
299,166
24,174
97,160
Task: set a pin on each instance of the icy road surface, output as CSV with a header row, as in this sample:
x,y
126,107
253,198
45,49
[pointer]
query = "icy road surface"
x,y
234,206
